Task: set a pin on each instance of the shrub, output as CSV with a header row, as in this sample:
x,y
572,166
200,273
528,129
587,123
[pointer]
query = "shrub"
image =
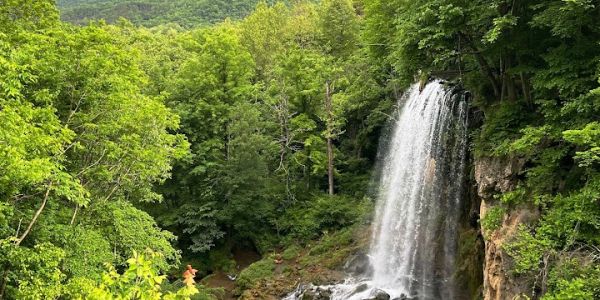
x,y
492,219
574,277
141,280
501,128
571,290
310,219
519,195
221,260
259,270
330,242
291,252
332,249
526,249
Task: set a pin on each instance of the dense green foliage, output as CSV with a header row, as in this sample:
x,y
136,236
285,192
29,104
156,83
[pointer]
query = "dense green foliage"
x,y
139,281
255,272
219,134
80,144
116,139
251,97
533,67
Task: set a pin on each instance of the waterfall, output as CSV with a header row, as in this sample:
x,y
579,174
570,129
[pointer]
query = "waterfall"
x,y
419,203
415,234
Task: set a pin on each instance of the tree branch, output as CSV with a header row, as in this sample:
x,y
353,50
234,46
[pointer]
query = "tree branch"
x,y
35,216
485,67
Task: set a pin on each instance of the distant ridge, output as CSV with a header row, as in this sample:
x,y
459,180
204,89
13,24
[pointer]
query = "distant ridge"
x,y
187,13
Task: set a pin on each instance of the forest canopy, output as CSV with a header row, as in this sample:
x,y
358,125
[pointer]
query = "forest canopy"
x,y
179,131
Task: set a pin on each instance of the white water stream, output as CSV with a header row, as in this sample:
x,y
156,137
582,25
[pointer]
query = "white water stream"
x,y
414,245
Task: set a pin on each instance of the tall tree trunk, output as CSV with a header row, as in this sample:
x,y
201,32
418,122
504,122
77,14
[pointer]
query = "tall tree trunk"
x,y
483,63
512,89
285,140
329,136
526,90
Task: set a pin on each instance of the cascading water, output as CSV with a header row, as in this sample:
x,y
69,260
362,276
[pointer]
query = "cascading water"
x,y
415,237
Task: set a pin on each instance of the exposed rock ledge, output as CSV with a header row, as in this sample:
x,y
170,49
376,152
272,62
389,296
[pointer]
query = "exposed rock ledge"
x,y
494,176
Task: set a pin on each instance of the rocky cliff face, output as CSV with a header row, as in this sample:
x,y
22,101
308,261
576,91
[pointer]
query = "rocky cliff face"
x,y
495,176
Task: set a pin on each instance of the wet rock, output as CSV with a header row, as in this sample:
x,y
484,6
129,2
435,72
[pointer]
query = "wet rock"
x,y
309,295
361,288
316,293
358,265
326,294
379,295
404,297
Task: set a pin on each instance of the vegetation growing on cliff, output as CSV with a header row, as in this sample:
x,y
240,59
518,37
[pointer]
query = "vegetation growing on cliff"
x,y
533,67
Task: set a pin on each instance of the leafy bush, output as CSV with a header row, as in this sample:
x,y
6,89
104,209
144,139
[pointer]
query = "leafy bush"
x,y
322,213
571,290
140,281
129,229
36,271
199,222
519,195
566,278
492,219
526,250
291,252
86,249
332,249
259,270
221,260
329,242
501,127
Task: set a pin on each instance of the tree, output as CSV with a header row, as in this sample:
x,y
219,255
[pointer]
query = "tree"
x,y
213,81
339,24
329,134
79,132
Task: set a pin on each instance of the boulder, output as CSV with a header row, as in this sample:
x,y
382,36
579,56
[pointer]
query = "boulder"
x,y
361,288
358,265
379,295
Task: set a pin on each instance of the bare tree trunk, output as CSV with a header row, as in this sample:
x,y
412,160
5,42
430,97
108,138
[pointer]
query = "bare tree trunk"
x,y
285,141
512,89
330,165
329,136
74,214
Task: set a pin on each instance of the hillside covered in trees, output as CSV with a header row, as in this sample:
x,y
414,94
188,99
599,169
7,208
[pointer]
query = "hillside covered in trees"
x,y
130,149
186,13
